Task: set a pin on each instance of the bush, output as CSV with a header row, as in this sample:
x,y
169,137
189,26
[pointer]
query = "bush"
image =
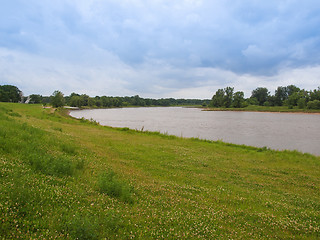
x,y
83,227
60,166
266,104
68,149
301,103
110,185
315,104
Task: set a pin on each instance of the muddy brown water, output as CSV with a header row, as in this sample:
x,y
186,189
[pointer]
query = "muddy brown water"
x,y
292,131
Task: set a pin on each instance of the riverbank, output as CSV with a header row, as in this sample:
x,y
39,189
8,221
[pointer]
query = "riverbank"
x,y
67,178
272,130
253,108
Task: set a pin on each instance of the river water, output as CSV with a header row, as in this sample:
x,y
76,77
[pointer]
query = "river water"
x,y
292,131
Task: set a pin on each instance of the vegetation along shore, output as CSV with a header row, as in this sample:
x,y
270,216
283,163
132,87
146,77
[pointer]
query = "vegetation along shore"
x,y
285,99
74,179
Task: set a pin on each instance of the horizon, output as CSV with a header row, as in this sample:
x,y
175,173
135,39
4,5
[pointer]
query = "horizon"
x,y
67,95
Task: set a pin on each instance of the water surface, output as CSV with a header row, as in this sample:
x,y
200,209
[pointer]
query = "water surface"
x,y
293,131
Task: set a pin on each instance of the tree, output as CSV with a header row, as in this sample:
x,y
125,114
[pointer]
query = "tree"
x,y
138,101
91,102
315,94
315,104
261,94
98,101
218,98
271,101
57,99
293,99
75,101
291,89
281,94
35,98
84,98
228,98
238,99
9,93
252,101
301,103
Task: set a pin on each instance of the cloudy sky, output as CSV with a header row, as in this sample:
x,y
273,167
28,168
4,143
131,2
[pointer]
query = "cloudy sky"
x,y
158,48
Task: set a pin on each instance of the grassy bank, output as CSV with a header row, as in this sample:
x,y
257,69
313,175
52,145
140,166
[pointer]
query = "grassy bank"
x,y
67,178
255,108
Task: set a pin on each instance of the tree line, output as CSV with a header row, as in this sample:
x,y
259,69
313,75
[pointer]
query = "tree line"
x,y
83,100
290,96
57,99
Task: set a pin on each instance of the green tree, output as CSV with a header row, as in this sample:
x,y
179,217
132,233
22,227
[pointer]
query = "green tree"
x,y
301,103
98,101
138,101
271,101
315,104
293,99
252,101
91,102
291,89
238,99
261,94
75,101
57,99
228,98
9,93
281,94
218,98
84,98
315,94
35,98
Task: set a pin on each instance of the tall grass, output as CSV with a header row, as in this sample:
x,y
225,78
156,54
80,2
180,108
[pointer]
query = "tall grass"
x,y
110,185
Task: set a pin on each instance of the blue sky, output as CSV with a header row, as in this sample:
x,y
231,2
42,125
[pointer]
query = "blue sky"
x,y
158,48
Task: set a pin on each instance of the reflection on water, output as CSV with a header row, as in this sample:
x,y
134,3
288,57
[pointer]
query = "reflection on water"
x,y
280,131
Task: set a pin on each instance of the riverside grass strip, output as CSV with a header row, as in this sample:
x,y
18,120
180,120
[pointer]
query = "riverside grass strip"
x,y
73,179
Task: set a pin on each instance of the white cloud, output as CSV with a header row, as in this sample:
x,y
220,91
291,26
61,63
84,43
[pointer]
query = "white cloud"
x,y
160,48
156,79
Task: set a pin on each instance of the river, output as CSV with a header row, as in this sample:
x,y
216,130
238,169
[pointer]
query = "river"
x,y
279,131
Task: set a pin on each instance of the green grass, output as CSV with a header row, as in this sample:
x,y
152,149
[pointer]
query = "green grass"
x,y
73,179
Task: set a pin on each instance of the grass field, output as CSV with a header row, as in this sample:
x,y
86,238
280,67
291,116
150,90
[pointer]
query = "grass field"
x,y
73,179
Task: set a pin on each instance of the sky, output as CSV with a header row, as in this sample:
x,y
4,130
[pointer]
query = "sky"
x,y
158,48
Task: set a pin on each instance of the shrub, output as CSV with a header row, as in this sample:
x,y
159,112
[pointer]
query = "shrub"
x,y
110,185
301,103
68,149
50,165
82,227
80,164
315,104
266,104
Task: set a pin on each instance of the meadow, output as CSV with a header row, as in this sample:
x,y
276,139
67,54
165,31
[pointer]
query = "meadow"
x,y
74,179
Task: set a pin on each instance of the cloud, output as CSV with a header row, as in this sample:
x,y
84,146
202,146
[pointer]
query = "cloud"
x,y
158,48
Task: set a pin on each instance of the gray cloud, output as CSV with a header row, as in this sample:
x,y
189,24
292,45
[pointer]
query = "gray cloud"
x,y
157,48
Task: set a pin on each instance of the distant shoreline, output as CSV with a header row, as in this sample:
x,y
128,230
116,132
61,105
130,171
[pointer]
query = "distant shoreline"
x,y
258,110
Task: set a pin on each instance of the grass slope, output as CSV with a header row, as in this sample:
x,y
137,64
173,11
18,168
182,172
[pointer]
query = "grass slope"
x,y
73,179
